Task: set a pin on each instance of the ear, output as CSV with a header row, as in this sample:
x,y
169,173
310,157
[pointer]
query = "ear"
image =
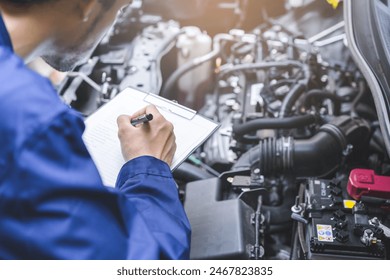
x,y
86,8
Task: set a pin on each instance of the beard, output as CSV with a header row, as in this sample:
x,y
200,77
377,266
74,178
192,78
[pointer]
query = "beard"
x,y
61,64
66,57
67,60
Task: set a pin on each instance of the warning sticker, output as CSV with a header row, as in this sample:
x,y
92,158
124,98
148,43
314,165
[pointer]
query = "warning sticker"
x,y
324,233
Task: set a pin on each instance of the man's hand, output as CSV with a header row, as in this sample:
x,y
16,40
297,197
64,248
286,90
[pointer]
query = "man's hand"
x,y
154,138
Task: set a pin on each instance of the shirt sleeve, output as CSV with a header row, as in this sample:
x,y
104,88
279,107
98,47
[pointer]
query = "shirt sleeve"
x,y
54,204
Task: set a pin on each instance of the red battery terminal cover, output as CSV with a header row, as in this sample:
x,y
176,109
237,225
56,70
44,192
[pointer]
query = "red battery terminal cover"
x,y
364,182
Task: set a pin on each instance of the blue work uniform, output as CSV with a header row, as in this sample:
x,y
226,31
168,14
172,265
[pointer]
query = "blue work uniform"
x,y
53,204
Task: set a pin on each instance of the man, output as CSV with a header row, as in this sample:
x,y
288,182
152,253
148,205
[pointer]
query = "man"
x,y
52,201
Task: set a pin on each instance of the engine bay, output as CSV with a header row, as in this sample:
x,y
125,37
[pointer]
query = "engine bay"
x,y
299,167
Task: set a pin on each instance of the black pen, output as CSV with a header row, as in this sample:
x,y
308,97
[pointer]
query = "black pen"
x,y
142,119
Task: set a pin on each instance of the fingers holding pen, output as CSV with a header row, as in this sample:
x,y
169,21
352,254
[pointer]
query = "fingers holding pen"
x,y
155,138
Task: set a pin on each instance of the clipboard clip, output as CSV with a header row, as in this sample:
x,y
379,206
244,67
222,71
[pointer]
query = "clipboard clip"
x,y
170,106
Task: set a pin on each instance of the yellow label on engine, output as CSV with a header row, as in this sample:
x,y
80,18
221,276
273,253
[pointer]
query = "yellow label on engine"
x,y
349,204
334,3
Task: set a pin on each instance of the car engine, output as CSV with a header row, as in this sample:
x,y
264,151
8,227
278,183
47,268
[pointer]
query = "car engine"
x,y
298,168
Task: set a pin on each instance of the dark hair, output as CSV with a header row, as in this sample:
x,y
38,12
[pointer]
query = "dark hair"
x,y
106,3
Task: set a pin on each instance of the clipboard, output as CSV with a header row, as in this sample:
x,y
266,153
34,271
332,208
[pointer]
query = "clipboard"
x,y
100,136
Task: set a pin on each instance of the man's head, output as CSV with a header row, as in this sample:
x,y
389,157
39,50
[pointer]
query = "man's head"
x,y
62,32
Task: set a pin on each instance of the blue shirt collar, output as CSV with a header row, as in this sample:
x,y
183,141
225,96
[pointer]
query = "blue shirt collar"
x,y
5,40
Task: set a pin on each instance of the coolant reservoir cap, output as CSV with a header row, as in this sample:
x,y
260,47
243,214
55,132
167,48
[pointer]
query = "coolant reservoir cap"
x,y
364,182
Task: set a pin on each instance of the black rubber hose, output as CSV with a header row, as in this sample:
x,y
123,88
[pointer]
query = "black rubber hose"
x,y
319,155
268,123
172,80
322,94
314,157
282,83
188,173
268,155
296,91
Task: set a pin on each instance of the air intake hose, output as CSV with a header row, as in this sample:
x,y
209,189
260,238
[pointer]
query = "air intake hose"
x,y
314,157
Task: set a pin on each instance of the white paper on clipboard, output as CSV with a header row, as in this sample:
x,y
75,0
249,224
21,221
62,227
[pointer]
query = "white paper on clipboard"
x,y
101,139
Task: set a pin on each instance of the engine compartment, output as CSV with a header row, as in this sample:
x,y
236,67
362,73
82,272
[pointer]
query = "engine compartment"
x,y
291,172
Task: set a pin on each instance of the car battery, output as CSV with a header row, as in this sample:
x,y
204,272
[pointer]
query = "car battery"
x,y
339,227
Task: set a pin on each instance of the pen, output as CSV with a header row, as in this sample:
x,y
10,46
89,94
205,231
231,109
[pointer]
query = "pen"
x,y
141,119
